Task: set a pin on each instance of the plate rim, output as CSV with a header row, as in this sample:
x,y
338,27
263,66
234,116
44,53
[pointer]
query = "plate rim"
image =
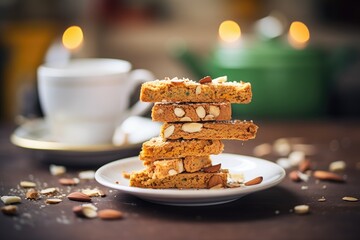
x,y
185,194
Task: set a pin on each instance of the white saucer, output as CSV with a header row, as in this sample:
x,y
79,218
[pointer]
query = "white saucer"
x,y
35,136
110,175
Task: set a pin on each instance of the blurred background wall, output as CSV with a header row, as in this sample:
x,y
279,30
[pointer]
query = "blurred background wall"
x,y
146,32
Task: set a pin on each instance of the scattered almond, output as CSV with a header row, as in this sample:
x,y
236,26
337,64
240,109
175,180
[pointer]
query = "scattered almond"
x,y
93,192
304,165
9,210
27,184
49,191
69,181
233,184
110,214
87,175
294,176
56,170
254,181
78,196
322,199
301,209
215,180
205,80
337,166
10,199
213,168
329,176
86,211
32,194
53,200
350,199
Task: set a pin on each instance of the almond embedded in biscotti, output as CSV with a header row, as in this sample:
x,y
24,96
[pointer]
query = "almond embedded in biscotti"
x,y
169,131
213,168
254,181
191,127
172,172
177,81
209,117
214,110
179,112
198,90
200,111
214,181
185,119
205,80
220,80
328,176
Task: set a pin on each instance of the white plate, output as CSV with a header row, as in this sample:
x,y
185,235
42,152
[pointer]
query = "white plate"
x,y
35,136
110,175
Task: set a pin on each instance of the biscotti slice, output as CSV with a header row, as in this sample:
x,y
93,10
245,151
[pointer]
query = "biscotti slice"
x,y
191,112
235,129
185,90
157,148
169,167
197,180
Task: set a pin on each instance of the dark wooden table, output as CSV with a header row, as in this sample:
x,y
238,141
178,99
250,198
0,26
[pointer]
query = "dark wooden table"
x,y
262,215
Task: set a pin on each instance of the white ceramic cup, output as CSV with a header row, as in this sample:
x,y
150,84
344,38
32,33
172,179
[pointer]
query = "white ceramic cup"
x,y
85,100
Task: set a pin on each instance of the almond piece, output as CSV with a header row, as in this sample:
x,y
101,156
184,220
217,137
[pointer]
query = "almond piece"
x,y
220,80
304,165
198,90
56,170
294,176
172,172
85,211
87,175
78,196
214,110
10,199
185,119
329,176
27,184
53,201
177,81
301,209
9,210
93,192
200,111
179,112
205,80
209,117
350,199
191,127
49,191
169,131
32,194
213,168
337,166
110,214
214,181
69,181
254,181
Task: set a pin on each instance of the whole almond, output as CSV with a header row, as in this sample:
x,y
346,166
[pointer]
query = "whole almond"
x,y
169,131
200,111
350,199
205,80
214,181
294,176
329,176
69,181
304,165
110,214
213,168
9,209
254,181
78,196
191,127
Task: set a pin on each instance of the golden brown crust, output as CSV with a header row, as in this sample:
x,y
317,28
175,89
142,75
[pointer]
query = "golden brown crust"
x,y
191,112
235,130
157,148
197,180
191,91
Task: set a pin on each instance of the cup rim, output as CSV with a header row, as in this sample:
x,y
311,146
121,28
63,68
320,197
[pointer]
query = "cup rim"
x,y
104,67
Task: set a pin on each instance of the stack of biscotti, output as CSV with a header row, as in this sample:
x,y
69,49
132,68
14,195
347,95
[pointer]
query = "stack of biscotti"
x,y
196,116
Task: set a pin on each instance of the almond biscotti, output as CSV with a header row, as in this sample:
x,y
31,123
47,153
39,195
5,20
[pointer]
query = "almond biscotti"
x,y
191,112
185,90
157,148
197,180
235,130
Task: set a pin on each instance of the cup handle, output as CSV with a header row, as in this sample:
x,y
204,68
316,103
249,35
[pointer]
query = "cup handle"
x,y
137,77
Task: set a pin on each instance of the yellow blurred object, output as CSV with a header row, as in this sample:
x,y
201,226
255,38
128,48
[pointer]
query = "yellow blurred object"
x,y
72,37
27,43
229,31
298,35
